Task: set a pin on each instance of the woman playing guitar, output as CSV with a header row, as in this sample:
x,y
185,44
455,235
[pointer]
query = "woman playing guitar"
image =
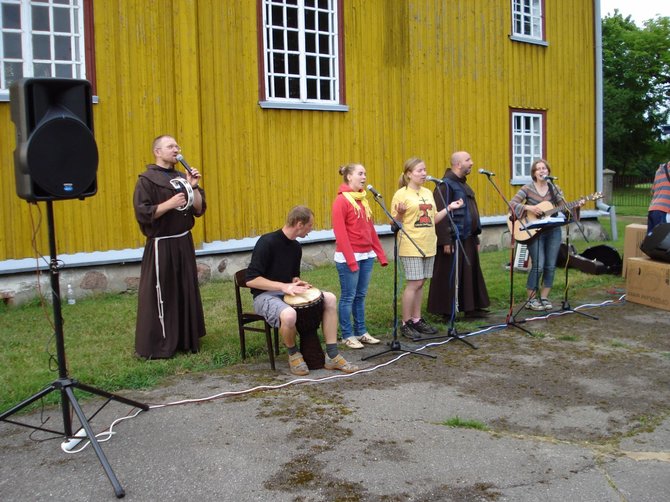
x,y
532,200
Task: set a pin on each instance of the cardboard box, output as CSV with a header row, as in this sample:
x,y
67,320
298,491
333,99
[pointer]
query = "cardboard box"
x,y
648,282
635,234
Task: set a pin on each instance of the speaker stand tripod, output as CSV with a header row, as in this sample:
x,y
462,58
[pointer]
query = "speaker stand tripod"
x,y
66,385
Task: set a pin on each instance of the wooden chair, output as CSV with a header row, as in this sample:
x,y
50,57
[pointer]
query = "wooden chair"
x,y
246,319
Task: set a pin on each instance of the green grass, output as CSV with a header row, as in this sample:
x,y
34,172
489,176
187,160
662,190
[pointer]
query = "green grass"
x,y
99,332
465,424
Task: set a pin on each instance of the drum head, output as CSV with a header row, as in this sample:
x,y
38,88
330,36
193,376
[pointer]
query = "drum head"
x,y
305,298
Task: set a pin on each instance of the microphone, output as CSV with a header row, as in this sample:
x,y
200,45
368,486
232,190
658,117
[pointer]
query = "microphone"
x,y
551,178
183,162
375,192
487,173
434,180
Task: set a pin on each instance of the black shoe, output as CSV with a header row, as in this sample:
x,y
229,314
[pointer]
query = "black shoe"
x,y
422,327
408,331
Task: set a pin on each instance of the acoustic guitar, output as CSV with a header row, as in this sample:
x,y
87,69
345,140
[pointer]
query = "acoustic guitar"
x,y
522,234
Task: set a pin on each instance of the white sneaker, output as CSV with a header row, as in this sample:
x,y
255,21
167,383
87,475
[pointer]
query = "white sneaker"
x,y
352,342
367,338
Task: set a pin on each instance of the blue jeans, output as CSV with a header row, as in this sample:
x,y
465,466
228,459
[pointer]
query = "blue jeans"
x,y
354,287
543,254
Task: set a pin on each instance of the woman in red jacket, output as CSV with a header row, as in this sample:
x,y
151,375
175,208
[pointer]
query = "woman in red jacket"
x,y
356,247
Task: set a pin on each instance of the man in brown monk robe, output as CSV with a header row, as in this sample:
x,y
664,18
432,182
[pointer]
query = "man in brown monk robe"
x,y
169,311
473,297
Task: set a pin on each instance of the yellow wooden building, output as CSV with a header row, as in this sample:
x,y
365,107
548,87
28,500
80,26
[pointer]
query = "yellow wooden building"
x,y
269,97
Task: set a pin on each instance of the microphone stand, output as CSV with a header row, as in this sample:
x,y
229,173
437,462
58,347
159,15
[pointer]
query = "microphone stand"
x,y
395,345
565,304
510,320
452,332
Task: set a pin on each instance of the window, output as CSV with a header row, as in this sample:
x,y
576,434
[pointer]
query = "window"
x,y
528,20
527,142
44,38
301,54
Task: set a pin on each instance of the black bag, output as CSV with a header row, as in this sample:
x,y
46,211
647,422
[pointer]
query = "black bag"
x,y
592,260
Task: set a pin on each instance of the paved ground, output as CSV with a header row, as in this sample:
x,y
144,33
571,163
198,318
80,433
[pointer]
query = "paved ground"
x,y
580,410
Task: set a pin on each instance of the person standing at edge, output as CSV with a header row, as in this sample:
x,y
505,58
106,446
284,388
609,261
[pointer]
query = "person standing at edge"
x,y
274,271
356,247
473,297
659,207
169,309
414,207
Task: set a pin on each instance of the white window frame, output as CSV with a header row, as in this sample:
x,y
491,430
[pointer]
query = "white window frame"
x,y
527,143
31,66
528,21
300,73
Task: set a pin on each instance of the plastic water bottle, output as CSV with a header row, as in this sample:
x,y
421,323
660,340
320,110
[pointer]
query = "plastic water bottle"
x,y
71,300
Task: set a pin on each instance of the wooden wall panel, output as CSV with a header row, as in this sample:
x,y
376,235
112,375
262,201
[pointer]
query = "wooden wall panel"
x,y
423,77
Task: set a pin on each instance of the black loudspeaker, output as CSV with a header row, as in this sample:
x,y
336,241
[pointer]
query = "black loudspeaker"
x,y
56,156
656,245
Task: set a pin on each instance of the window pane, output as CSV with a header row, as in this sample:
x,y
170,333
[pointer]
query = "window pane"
x,y
293,40
324,24
325,89
277,16
13,71
64,71
278,63
63,48
63,2
310,65
280,87
311,89
40,18
12,45
324,67
278,39
41,70
309,20
294,88
41,47
292,17
324,46
62,21
11,16
294,64
310,42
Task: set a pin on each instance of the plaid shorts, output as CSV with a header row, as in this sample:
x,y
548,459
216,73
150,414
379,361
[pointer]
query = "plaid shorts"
x,y
417,268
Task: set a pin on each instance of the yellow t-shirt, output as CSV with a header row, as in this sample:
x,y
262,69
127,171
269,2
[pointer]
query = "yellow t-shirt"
x,y
418,221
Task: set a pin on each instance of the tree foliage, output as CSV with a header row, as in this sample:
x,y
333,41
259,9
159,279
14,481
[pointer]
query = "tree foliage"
x,y
636,93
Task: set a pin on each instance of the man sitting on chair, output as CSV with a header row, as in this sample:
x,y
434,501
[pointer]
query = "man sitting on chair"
x,y
274,271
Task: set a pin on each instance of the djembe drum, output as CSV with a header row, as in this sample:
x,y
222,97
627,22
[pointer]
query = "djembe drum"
x,y
309,307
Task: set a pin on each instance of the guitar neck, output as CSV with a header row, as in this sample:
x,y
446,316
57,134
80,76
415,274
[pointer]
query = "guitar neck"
x,y
565,207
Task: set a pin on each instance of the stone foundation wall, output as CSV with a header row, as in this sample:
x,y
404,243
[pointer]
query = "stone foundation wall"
x,y
119,278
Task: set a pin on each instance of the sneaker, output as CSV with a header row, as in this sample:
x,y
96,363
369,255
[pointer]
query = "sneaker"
x,y
339,363
352,342
408,331
535,304
369,339
297,364
547,304
423,327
